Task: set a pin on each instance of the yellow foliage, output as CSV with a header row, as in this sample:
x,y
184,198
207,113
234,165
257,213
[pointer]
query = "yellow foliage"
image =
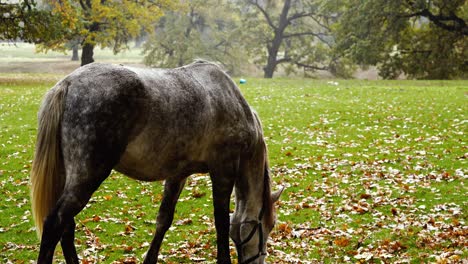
x,y
108,23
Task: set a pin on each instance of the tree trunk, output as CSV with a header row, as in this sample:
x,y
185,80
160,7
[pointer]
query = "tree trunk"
x,y
269,69
88,48
75,56
272,60
87,54
276,42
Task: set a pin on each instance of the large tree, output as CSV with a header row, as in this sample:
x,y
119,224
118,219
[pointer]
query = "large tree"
x,y
202,29
107,23
420,38
56,23
296,33
23,20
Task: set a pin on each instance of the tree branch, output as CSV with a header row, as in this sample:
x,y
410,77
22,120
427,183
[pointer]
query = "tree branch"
x,y
299,15
459,25
300,64
311,67
320,23
317,35
222,42
83,6
292,35
265,14
283,60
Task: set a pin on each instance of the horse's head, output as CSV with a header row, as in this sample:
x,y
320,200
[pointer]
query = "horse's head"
x,y
250,236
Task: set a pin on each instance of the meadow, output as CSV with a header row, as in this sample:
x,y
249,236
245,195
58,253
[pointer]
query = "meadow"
x,y
375,172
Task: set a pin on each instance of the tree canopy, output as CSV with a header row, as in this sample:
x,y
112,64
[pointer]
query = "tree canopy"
x,y
422,39
106,23
206,29
293,33
23,20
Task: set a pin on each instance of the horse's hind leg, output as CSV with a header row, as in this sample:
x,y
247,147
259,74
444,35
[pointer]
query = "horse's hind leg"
x,y
172,190
59,224
67,242
68,245
86,166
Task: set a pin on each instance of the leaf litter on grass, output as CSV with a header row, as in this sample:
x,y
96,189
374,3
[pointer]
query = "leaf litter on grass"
x,y
368,175
374,174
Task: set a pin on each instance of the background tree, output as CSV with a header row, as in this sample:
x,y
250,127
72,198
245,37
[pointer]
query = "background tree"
x,y
23,20
203,29
74,45
296,33
105,23
423,39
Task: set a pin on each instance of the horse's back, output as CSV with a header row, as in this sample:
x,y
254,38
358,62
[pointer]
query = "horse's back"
x,y
157,123
197,116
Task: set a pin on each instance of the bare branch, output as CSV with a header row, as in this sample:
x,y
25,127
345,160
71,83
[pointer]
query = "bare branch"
x,y
320,23
311,67
317,35
300,64
292,35
299,15
265,14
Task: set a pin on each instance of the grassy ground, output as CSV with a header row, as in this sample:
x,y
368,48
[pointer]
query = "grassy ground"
x,y
375,172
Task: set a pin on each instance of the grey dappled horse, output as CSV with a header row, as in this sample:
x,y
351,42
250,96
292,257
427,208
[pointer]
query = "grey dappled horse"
x,y
151,124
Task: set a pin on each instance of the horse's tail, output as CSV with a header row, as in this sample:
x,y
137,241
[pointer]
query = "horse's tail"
x,y
47,174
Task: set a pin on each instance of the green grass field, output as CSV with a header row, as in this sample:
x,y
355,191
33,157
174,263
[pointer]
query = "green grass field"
x,y
375,172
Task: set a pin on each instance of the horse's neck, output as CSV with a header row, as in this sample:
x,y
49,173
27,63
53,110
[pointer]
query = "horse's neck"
x,y
249,202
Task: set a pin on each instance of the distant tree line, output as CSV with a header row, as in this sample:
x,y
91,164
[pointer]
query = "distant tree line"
x,y
425,39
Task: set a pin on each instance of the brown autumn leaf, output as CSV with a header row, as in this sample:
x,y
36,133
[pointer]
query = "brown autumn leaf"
x,y
341,242
129,229
196,193
365,196
396,246
130,260
185,221
284,229
127,249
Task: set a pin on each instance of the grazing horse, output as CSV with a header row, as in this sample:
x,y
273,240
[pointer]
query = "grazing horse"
x,y
151,124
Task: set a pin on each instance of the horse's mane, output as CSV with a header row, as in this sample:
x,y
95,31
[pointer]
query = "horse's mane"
x,y
267,201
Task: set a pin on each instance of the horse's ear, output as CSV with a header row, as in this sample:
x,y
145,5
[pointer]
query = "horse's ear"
x,y
276,194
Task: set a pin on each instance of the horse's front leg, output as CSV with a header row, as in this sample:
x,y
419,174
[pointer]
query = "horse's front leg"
x,y
172,190
223,184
